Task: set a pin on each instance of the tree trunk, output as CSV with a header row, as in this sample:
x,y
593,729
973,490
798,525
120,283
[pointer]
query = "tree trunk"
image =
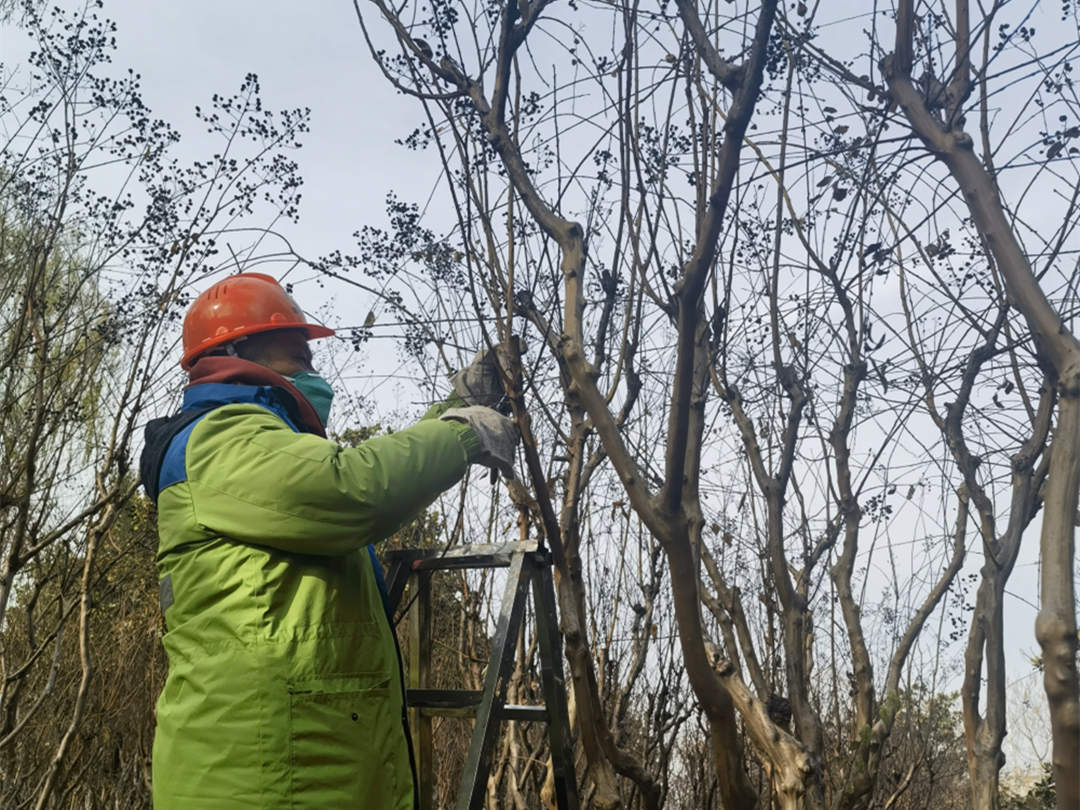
x,y
736,791
985,791
983,735
786,757
1055,626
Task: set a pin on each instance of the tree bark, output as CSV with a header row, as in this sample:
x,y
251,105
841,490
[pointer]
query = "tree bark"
x,y
1059,352
1055,626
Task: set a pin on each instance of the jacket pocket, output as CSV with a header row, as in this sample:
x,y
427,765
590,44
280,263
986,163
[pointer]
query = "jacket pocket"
x,y
344,738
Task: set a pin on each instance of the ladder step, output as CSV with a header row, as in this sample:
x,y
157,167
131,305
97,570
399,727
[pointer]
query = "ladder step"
x,y
526,714
444,698
464,702
488,555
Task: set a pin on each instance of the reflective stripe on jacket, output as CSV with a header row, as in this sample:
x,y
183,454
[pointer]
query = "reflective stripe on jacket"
x,y
283,688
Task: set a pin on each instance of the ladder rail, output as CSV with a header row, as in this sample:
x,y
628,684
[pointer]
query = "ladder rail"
x,y
503,649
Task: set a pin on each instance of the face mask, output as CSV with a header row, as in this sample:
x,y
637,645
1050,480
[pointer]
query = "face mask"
x,y
317,391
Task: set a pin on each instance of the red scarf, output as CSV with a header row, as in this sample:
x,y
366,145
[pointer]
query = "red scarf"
x,y
237,371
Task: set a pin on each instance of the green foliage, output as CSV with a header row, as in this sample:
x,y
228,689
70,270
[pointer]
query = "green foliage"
x,y
1040,796
889,707
355,436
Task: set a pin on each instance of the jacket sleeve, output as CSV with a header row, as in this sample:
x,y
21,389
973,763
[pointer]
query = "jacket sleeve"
x,y
254,480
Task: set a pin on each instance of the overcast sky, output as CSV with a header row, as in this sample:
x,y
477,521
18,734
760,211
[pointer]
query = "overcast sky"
x,y
306,54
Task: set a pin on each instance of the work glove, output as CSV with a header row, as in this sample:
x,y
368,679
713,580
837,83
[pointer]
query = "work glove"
x,y
480,382
498,435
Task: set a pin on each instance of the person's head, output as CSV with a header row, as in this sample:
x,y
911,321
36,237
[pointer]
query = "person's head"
x,y
250,315
285,351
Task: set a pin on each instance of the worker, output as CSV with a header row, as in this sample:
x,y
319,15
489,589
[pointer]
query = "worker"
x,y
284,686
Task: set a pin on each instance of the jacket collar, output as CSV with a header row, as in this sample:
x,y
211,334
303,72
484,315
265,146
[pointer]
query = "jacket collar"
x,y
227,379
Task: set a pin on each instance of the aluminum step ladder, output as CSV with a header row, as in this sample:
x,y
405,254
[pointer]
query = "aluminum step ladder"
x,y
529,569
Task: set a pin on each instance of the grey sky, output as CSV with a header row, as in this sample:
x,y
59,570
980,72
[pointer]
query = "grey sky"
x,y
306,55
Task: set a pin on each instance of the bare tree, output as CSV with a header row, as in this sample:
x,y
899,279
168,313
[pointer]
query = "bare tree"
x,y
673,513
959,57
704,283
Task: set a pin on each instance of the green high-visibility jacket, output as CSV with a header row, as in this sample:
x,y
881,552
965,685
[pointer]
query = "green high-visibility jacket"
x,y
283,688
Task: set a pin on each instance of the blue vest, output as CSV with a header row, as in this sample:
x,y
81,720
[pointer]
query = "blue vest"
x,y
163,461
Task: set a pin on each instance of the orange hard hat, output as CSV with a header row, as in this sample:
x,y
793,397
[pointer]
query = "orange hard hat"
x,y
238,306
